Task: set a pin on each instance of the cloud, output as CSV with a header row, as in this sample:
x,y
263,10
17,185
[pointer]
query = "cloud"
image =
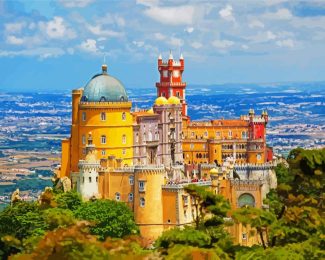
x,y
56,29
41,52
148,2
280,14
14,27
97,30
138,43
159,36
196,45
90,45
75,3
179,15
256,24
285,43
189,29
226,14
270,35
244,47
11,39
222,44
175,41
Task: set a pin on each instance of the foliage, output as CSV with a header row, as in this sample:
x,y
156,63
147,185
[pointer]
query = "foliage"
x,y
186,236
68,200
110,218
57,217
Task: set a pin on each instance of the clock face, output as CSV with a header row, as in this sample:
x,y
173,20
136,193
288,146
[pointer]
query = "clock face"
x,y
176,73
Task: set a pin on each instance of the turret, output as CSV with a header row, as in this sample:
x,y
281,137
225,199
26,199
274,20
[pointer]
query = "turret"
x,y
160,60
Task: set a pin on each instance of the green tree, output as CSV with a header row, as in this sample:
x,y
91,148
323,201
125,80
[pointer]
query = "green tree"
x,y
110,218
68,200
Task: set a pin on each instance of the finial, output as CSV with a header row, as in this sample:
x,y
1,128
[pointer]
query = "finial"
x,y
181,57
170,55
104,66
160,57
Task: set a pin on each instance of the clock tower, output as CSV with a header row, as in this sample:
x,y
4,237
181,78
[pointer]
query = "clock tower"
x,y
171,80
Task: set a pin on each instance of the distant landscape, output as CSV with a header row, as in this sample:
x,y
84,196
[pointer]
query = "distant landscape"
x,y
33,124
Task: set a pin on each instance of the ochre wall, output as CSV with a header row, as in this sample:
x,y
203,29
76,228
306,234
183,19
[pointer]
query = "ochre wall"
x,y
65,158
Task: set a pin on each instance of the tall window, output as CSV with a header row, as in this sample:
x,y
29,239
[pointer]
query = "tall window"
x,y
89,179
103,139
131,180
244,135
103,152
103,116
124,151
141,186
142,202
206,133
177,94
123,139
83,116
117,196
137,138
230,133
123,116
130,197
217,134
83,139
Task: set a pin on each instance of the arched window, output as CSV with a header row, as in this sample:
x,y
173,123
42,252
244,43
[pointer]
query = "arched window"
x,y
123,116
246,199
117,196
103,139
83,115
130,197
149,136
123,139
137,138
230,133
142,202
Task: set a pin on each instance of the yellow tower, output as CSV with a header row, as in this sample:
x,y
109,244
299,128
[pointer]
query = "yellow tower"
x,y
100,110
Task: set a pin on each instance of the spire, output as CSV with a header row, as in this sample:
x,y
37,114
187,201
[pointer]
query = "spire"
x,y
170,55
181,57
160,57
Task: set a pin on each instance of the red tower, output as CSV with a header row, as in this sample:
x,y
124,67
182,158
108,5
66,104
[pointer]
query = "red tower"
x,y
171,79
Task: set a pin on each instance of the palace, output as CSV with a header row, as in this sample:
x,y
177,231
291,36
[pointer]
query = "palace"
x,y
146,158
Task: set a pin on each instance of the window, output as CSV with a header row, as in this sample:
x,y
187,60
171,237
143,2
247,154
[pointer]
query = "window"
x,y
103,139
204,146
206,133
83,151
244,135
117,196
217,134
192,146
230,133
141,186
185,214
142,202
124,151
130,197
258,156
177,94
89,179
144,137
83,179
131,180
185,200
103,116
83,139
244,236
137,138
137,150
103,152
83,116
123,116
246,199
165,73
163,94
96,179
123,139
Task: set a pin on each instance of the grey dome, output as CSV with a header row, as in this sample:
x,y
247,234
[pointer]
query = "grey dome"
x,y
105,88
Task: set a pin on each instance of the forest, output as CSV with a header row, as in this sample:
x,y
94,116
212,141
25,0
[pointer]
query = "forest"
x,y
62,226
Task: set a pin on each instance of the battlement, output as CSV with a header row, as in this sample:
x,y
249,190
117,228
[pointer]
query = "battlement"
x,y
181,185
252,166
256,119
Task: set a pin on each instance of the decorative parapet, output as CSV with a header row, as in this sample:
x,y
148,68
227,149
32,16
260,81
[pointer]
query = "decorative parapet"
x,y
84,104
179,186
252,166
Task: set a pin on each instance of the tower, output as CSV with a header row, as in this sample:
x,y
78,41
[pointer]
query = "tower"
x,y
171,83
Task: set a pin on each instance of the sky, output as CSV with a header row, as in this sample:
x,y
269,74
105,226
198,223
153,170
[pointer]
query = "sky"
x,y
60,45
